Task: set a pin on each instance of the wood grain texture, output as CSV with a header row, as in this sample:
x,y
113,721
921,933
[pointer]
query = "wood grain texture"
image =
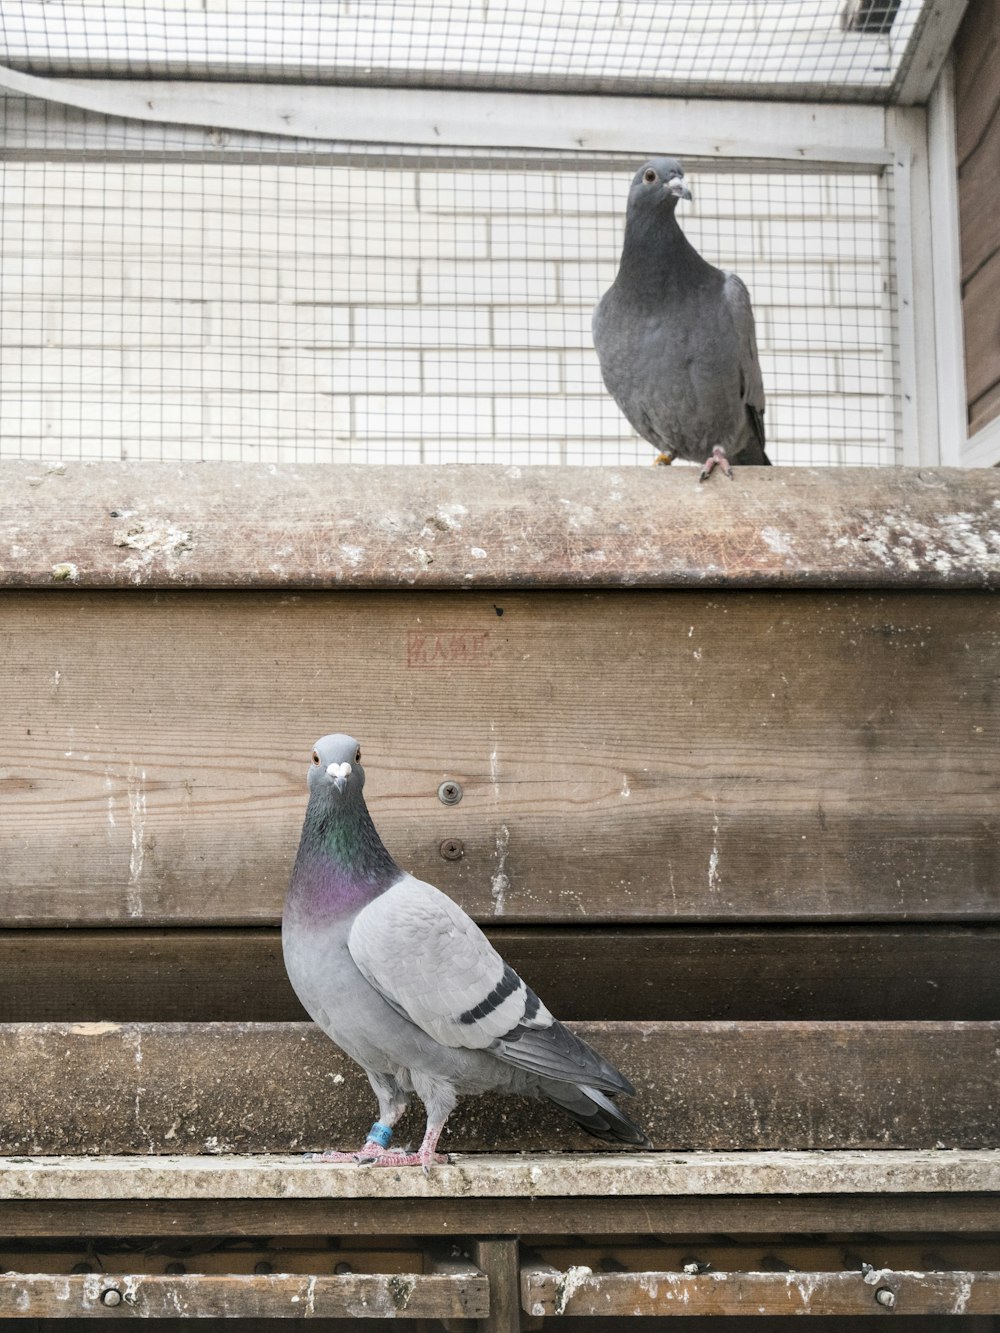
x,y
977,81
313,526
981,309
979,197
164,1088
625,972
967,1214
274,1296
546,1291
624,755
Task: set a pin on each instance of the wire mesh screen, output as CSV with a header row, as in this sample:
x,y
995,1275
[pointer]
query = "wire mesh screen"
x,y
173,294
823,49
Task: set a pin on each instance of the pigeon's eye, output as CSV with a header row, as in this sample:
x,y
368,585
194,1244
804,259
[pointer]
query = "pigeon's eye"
x,y
357,755
649,176
315,757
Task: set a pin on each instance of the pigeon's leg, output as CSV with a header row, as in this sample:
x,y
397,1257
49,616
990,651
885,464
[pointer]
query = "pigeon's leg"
x,y
664,459
717,458
439,1097
392,1102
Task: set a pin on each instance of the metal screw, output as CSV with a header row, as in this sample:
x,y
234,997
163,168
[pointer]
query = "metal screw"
x,y
342,1269
262,1267
886,1297
450,793
452,849
111,1297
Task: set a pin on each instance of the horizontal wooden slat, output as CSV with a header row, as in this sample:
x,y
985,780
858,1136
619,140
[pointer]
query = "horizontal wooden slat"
x,y
276,1296
225,525
831,1174
782,1254
163,1088
622,972
577,1291
624,756
743,1214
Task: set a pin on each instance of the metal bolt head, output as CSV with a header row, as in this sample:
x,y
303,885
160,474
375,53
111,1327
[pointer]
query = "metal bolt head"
x,y
886,1297
450,792
452,849
111,1297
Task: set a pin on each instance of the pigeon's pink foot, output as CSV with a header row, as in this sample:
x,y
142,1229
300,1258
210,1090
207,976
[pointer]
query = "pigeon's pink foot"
x,y
716,459
425,1156
420,1158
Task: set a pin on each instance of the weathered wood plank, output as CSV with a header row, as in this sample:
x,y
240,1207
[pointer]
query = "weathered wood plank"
x,y
980,302
578,1291
831,1173
160,1088
499,1258
780,1254
979,197
633,972
744,1214
623,755
977,81
309,526
272,1296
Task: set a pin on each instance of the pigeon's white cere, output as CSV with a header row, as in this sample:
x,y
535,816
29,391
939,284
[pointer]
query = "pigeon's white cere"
x,y
338,770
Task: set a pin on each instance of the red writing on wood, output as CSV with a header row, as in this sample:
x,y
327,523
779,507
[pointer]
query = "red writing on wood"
x,y
447,648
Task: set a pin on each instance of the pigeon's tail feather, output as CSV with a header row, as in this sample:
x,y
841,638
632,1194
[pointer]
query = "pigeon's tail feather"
x,y
554,1052
595,1113
752,452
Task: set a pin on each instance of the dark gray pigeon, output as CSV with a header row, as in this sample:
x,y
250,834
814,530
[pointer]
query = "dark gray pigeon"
x,y
408,986
675,337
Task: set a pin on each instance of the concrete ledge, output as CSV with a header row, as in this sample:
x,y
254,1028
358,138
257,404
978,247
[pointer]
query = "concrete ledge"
x,y
531,1176
218,525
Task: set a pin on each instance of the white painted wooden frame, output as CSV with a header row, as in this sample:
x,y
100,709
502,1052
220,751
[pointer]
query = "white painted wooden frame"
x,y
790,135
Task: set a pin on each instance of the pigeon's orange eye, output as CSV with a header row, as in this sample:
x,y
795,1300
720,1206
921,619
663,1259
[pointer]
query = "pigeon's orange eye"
x,y
315,757
649,176
357,755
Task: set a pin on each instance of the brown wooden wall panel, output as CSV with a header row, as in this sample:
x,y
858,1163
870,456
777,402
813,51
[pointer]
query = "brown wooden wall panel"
x,y
167,1088
977,123
621,972
982,328
624,755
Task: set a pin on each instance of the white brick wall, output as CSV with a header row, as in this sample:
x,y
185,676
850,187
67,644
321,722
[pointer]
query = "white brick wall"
x,y
375,313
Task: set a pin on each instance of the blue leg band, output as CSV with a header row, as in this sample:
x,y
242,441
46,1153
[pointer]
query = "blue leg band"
x,y
380,1134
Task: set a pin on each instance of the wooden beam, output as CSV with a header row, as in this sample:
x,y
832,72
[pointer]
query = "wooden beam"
x,y
625,756
272,1296
928,50
633,972
578,1291
499,1259
163,1088
157,525
806,132
743,1214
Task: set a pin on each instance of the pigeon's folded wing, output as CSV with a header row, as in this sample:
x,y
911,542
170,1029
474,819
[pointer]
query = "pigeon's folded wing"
x,y
751,380
437,968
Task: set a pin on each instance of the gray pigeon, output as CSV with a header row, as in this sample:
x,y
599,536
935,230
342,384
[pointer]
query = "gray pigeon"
x,y
408,986
675,337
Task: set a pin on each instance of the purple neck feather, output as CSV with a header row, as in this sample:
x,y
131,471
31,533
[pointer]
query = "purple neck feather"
x,y
342,862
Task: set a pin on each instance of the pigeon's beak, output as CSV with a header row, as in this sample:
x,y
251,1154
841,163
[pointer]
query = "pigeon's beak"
x,y
340,773
677,188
